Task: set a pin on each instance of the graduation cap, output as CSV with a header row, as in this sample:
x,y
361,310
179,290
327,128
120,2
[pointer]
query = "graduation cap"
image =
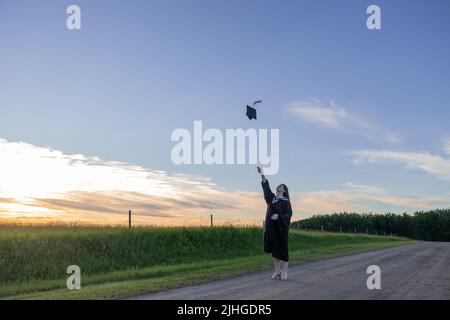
x,y
251,111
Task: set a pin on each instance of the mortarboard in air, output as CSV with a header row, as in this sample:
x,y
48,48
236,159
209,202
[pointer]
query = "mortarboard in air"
x,y
251,111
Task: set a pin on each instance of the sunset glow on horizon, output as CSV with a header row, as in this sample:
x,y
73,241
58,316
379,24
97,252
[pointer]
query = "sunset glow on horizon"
x,y
43,184
39,182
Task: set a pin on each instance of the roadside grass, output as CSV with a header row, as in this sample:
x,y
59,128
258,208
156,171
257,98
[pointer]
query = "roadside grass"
x,y
120,263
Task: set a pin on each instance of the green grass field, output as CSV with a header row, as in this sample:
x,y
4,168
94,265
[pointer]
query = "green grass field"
x,y
118,263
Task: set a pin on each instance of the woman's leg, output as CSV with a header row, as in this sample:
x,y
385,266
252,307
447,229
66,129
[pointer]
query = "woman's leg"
x,y
277,272
284,269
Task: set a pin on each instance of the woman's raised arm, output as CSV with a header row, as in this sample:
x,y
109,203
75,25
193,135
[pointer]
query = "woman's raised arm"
x,y
268,194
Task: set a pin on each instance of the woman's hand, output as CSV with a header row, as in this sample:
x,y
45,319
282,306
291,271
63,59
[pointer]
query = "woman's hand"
x,y
274,217
261,171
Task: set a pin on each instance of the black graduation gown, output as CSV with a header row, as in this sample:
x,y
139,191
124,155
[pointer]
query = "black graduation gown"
x,y
276,231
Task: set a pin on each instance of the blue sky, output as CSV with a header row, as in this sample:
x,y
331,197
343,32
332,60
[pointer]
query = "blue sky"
x,y
360,112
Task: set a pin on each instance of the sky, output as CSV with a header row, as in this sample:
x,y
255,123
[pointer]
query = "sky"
x,y
86,116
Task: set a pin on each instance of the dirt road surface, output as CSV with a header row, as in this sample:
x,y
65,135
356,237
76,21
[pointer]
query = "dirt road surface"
x,y
416,271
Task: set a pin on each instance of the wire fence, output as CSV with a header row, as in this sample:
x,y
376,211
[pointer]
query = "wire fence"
x,y
341,229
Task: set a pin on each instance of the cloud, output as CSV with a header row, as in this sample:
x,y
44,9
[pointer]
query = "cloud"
x,y
446,144
339,118
330,116
362,198
393,138
40,181
43,183
328,201
7,200
360,188
423,161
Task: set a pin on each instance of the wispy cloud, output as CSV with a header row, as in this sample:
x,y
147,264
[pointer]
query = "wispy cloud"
x,y
330,116
423,161
393,138
361,198
365,189
446,144
335,117
40,181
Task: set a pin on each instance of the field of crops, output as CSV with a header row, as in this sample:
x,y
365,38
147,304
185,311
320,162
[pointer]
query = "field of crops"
x,y
34,259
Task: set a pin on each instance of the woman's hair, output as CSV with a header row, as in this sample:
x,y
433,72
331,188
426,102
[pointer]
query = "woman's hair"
x,y
286,191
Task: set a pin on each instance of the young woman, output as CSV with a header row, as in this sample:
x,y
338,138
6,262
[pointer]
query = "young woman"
x,y
276,226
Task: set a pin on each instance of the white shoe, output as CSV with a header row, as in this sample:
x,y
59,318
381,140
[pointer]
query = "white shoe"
x,y
284,270
276,276
277,273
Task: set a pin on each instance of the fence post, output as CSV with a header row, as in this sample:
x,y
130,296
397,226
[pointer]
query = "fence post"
x,y
321,228
355,230
340,229
367,231
129,219
211,220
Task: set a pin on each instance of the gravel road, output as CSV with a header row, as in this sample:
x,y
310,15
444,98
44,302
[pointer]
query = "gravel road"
x,y
416,271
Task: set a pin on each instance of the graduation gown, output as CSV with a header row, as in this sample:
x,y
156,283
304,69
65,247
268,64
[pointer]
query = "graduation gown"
x,y
276,231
